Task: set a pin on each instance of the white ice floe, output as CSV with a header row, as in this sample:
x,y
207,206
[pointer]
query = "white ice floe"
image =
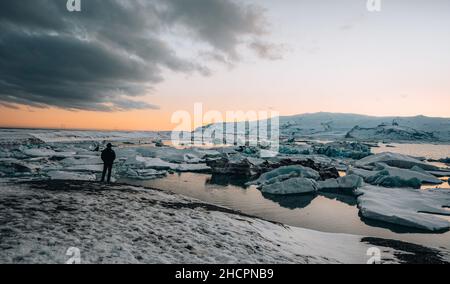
x,y
393,160
11,167
345,185
85,168
145,174
125,224
86,160
405,206
159,164
44,152
387,176
60,175
285,173
444,173
290,186
173,155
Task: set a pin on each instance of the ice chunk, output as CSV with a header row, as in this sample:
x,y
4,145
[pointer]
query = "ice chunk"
x,y
88,160
405,206
416,172
393,160
61,175
351,150
85,168
197,168
43,152
149,163
344,185
139,162
383,178
14,167
291,186
394,177
234,165
284,173
295,149
360,172
146,174
440,174
173,155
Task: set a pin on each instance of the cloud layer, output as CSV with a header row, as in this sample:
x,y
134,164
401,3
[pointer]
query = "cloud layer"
x,y
107,56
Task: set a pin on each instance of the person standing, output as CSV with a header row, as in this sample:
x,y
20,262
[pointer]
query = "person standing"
x,y
108,158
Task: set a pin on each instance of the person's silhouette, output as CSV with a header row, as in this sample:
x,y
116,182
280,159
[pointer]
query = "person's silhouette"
x,y
108,157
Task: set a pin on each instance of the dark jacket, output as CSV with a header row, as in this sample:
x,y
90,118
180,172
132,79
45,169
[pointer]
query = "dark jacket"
x,y
108,156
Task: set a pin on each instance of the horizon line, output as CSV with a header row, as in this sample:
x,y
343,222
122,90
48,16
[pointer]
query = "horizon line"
x,y
148,130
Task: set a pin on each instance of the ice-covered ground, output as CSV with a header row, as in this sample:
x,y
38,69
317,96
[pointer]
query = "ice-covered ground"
x,y
40,221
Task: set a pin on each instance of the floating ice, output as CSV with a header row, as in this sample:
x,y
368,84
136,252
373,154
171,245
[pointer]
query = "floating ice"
x,y
343,185
10,167
405,206
393,160
158,164
394,177
290,186
352,150
43,152
285,173
146,174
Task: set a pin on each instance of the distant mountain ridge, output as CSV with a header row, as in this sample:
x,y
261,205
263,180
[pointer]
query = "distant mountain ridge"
x,y
316,124
324,125
343,121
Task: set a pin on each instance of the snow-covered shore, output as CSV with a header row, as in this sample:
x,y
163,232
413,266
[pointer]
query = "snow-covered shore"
x,y
125,224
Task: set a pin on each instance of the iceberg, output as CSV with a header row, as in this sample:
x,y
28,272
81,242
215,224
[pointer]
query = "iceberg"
x,y
145,174
285,173
351,150
43,152
173,155
139,162
290,187
344,185
235,165
395,177
393,160
85,168
13,167
406,207
86,160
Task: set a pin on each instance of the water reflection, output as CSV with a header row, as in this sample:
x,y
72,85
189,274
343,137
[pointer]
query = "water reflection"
x,y
226,180
349,200
291,202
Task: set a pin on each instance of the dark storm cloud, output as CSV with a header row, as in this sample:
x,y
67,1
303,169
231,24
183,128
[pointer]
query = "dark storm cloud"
x,y
112,52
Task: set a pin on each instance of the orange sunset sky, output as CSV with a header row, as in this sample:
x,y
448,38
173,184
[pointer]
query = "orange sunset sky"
x,y
308,56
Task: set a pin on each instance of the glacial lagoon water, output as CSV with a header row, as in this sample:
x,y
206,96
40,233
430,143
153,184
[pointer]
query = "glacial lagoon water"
x,y
324,212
